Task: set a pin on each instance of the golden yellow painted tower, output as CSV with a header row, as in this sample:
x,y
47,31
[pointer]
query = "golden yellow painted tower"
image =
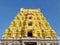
x,y
29,23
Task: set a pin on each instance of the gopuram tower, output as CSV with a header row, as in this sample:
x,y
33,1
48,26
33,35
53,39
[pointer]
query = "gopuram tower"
x,y
32,28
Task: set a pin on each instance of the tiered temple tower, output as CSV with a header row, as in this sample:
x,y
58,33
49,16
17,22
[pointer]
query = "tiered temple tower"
x,y
29,27
29,23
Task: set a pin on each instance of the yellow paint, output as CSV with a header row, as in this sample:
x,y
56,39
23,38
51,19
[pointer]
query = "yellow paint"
x,y
29,21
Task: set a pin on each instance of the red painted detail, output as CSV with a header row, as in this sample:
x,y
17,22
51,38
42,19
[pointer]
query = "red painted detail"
x,y
29,13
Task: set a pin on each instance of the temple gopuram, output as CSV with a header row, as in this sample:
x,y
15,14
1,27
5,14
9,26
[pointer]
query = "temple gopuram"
x,y
29,27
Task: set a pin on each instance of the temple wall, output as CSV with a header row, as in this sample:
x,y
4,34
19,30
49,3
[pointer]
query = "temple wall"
x,y
30,41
